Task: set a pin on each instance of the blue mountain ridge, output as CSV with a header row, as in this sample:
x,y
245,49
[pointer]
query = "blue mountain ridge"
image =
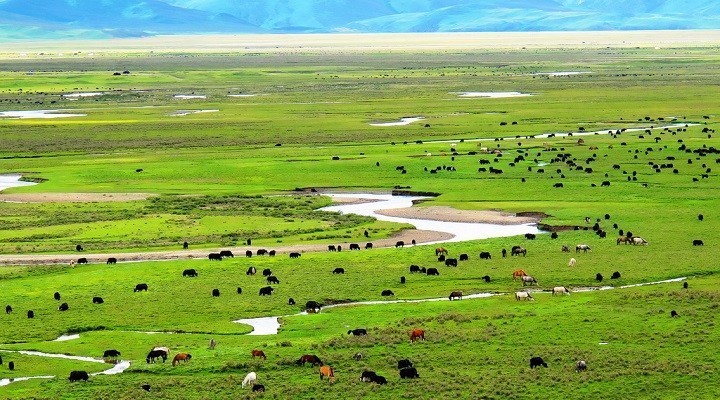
x,y
40,19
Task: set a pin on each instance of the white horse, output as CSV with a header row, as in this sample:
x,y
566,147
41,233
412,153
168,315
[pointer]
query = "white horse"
x,y
249,379
523,296
583,247
638,240
572,262
561,290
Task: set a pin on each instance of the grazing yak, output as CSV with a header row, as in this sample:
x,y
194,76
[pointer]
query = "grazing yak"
x,y
339,270
56,295
239,290
64,307
554,235
486,278
82,260
8,309
485,255
291,301
248,253
266,291
354,246
251,271
145,387
111,353
451,262
615,275
267,272
190,273
698,242
387,292
258,388
186,245
433,271
78,376
226,253
404,364
295,255
399,243
216,293
673,313
273,279
140,287
98,300
111,260
31,314
598,277
463,257
530,236
368,245
402,279
312,306
409,373
215,257
367,376
358,332
536,362
580,366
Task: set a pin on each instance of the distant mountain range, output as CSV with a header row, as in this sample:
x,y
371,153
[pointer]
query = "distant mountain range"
x,y
93,19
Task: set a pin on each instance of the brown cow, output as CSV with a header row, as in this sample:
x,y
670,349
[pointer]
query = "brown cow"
x,y
417,334
258,353
327,370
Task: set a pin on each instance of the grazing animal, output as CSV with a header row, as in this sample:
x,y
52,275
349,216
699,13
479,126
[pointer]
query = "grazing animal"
x,y
216,293
82,260
78,375
226,253
637,240
212,344
215,257
572,262
519,273
267,272
291,301
451,262
239,290
295,255
8,309
249,378
327,370
463,257
153,354
685,285
404,364
530,236
31,314
387,292
258,353
440,250
417,334
409,373
580,366
56,295
485,255
271,253
554,235
339,270
358,332
190,273
181,357
486,278
565,249
273,280
698,242
700,217
504,253
582,247
358,356
186,245
63,307
111,260
354,246
145,387
258,388
517,250
560,290
414,268
457,295
615,275
402,279
523,296
309,358
266,291
248,253
441,258
251,271
11,365
536,362
111,353
380,380
598,277
79,248
312,306
622,239
673,313
367,376
261,252
399,243
433,271
529,280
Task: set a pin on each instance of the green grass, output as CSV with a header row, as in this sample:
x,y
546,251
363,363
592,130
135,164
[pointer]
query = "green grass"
x,y
220,178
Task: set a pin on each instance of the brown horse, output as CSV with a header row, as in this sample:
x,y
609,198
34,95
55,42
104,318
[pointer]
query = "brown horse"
x,y
327,370
623,239
518,273
309,358
441,250
258,353
417,334
181,357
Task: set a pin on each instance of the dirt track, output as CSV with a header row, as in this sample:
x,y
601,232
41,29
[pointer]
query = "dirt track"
x,y
420,236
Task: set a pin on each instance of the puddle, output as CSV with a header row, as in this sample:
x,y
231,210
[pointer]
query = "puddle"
x,y
37,114
182,113
403,121
494,95
190,96
461,231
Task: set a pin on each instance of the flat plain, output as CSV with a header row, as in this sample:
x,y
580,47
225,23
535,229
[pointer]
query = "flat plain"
x,y
286,121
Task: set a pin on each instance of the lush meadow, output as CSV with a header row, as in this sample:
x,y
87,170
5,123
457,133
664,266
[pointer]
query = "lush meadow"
x,y
217,178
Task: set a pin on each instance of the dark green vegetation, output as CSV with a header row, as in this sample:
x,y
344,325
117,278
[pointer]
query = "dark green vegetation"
x,y
216,175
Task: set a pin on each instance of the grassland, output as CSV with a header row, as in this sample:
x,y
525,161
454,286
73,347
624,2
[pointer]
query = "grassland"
x,y
217,176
